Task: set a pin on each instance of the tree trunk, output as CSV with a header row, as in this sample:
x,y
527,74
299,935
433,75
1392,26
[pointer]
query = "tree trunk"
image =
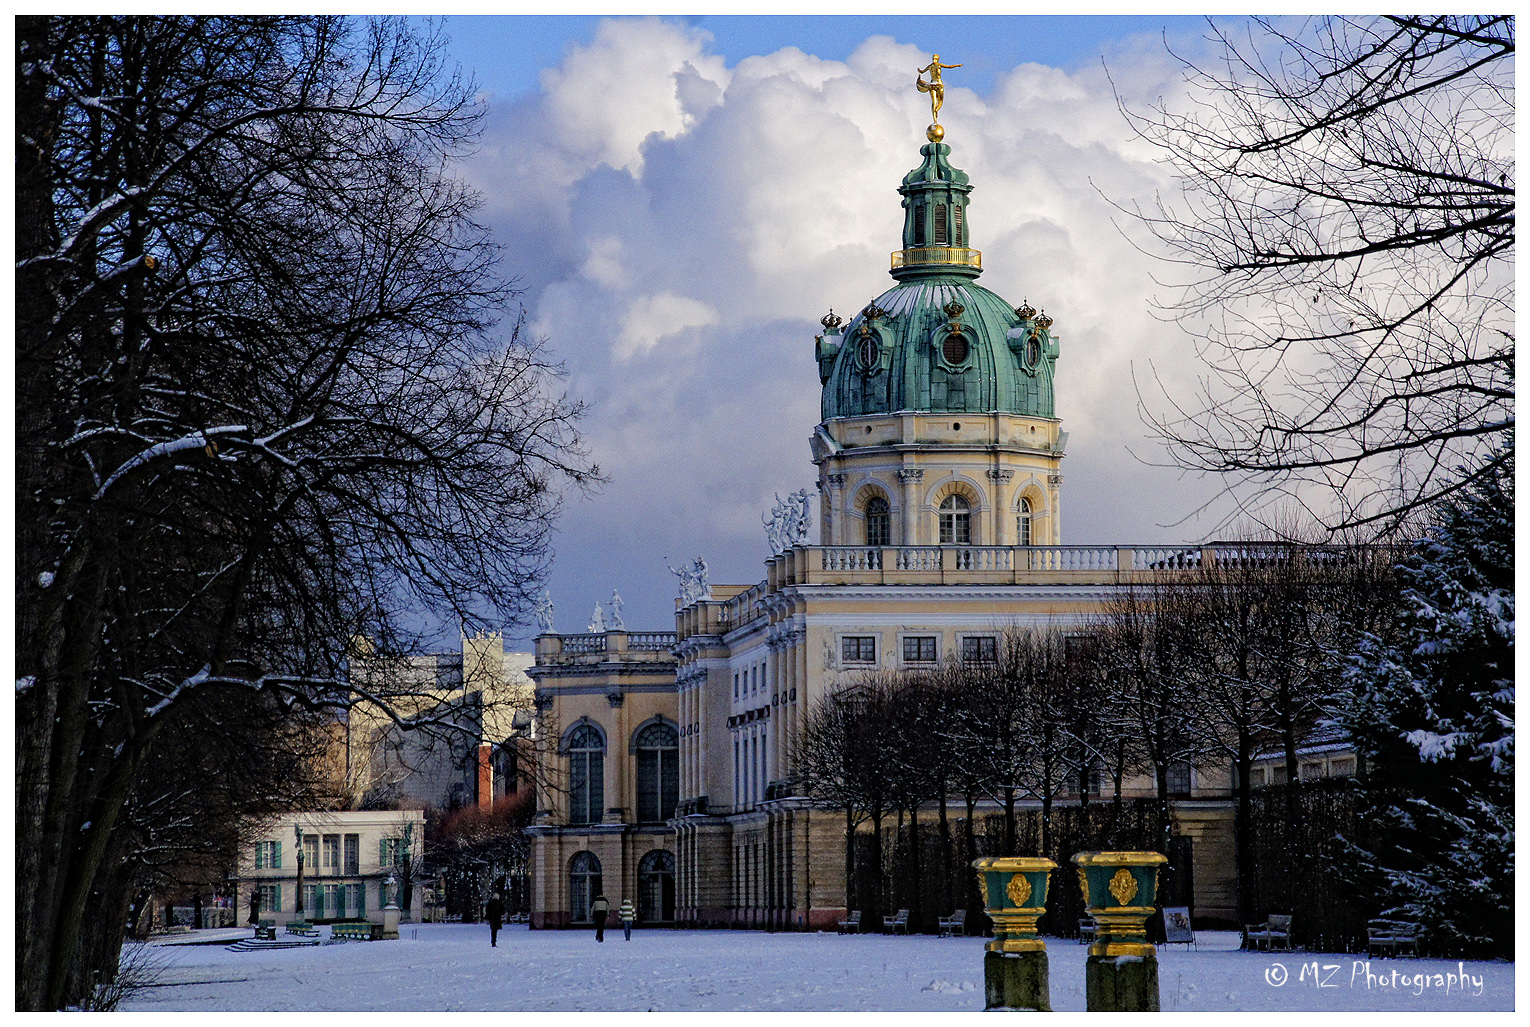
x,y
945,854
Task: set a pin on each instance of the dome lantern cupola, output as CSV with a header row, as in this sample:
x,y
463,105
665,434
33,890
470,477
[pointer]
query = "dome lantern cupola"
x,y
935,197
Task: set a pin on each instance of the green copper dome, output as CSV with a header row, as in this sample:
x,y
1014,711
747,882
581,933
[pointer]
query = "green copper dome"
x,y
937,341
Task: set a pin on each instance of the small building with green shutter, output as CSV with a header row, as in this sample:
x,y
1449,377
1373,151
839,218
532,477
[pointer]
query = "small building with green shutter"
x,y
354,863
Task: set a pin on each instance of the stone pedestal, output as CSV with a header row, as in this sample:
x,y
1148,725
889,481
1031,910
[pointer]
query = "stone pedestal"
x,y
1122,983
390,921
1016,980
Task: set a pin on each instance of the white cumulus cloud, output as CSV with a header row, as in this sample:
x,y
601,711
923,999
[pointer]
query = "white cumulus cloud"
x,y
680,225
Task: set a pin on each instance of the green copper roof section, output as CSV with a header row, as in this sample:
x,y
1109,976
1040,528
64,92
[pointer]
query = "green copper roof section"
x,y
937,341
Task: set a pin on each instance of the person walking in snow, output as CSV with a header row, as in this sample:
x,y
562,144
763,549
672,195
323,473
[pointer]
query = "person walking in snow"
x,y
628,914
494,912
600,907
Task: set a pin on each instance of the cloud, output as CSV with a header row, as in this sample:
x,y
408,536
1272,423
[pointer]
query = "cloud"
x,y
652,318
680,226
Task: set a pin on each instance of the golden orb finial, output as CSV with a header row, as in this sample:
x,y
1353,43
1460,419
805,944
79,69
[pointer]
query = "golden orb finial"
x,y
935,133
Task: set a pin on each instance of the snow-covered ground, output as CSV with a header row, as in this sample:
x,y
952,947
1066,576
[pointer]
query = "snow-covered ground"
x,y
452,967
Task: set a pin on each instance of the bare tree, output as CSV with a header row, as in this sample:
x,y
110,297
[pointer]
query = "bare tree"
x,y
263,406
1346,215
1148,647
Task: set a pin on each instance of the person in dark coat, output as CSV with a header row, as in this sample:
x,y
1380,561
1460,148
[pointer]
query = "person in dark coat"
x,y
494,912
600,907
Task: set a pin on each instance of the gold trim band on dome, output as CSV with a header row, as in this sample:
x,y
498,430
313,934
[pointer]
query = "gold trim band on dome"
x,y
958,255
1129,859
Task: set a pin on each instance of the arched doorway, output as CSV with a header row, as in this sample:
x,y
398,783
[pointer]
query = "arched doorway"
x,y
583,885
656,887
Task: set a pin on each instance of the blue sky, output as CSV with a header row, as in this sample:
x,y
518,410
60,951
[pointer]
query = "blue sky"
x,y
682,199
505,53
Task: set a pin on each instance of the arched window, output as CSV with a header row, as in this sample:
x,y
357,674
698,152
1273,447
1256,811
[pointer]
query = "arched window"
x,y
955,521
878,522
586,775
1024,522
656,887
583,885
658,773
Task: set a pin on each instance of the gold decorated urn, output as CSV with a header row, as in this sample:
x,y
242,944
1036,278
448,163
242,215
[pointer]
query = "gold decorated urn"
x,y
1014,895
1120,891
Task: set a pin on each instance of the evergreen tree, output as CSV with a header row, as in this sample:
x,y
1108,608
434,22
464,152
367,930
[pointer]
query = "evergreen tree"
x,y
1431,710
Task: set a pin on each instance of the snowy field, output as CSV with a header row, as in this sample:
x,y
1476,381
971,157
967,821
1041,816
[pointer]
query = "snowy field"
x,y
452,967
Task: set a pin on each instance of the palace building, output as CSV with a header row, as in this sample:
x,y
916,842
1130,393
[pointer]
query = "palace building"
x,y
939,455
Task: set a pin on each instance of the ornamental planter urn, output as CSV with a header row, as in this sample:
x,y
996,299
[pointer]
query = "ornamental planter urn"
x,y
1120,890
1014,892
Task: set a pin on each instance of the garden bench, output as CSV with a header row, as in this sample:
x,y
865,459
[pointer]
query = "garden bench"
x,y
266,930
1274,933
852,924
304,928
1391,937
893,924
954,925
357,931
1085,930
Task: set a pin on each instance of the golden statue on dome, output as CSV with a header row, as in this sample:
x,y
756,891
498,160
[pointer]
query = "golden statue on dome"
x,y
937,90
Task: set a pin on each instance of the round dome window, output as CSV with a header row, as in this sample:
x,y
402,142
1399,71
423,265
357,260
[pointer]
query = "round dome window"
x,y
955,349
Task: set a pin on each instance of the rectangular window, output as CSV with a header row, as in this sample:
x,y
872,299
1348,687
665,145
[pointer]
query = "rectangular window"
x,y
1342,768
352,854
919,649
268,855
735,684
956,215
980,649
919,235
270,898
311,852
1277,774
1179,780
858,649
940,224
1311,771
389,852
332,853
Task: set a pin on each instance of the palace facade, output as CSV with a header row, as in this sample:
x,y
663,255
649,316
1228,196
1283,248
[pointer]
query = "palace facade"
x,y
939,455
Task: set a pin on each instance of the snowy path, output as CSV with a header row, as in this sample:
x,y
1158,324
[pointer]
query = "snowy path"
x,y
451,967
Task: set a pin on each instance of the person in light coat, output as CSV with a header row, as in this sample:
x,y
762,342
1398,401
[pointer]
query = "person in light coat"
x,y
600,907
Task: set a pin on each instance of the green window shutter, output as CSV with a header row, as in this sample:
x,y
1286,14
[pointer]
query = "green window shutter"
x,y
276,897
276,855
382,852
260,852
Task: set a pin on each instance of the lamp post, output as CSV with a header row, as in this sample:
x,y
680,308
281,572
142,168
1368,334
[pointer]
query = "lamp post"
x,y
297,831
